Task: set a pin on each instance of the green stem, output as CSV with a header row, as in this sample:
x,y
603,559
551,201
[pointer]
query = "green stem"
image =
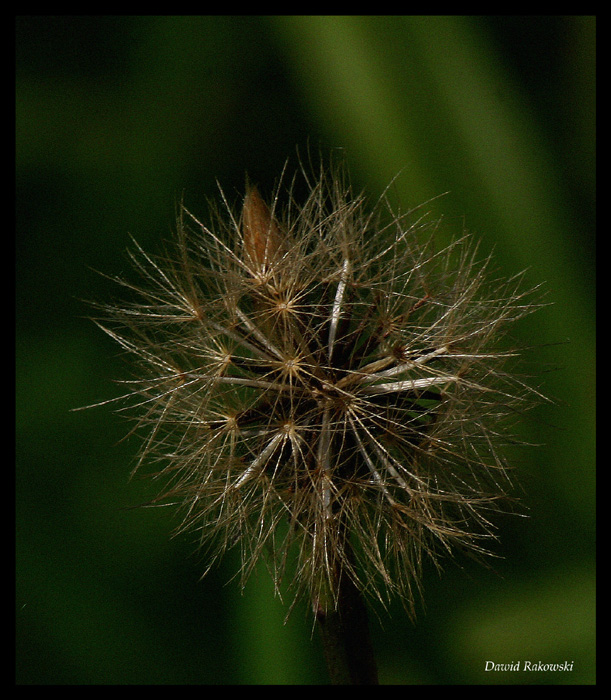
x,y
345,637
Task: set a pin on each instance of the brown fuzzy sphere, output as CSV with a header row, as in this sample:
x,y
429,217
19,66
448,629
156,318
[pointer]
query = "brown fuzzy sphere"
x,y
320,386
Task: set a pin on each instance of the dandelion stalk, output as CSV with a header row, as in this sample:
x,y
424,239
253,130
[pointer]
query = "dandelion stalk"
x,y
325,390
344,631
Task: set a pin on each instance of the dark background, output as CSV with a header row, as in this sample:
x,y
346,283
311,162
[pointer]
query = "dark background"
x,y
117,119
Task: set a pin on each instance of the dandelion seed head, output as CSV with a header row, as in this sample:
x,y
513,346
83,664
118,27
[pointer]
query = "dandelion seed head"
x,y
321,377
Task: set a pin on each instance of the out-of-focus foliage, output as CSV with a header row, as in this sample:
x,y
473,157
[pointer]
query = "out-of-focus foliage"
x,y
118,118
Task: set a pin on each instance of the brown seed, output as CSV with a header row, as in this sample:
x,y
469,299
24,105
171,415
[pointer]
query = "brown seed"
x,y
261,235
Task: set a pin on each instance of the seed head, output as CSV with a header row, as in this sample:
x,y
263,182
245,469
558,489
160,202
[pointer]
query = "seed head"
x,y
322,387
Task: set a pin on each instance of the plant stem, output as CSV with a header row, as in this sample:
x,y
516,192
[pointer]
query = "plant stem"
x,y
345,638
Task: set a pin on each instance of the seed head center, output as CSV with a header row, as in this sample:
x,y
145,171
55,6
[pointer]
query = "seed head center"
x,y
330,396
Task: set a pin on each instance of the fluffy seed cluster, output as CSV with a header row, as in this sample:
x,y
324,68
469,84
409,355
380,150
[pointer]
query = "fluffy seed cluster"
x,y
322,387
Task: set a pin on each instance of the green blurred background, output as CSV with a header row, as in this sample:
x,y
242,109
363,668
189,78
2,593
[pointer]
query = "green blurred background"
x,y
117,118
